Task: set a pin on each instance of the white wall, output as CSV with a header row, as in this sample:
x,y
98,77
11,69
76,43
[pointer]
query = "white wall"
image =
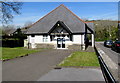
x,y
93,41
49,39
38,38
78,39
29,39
83,37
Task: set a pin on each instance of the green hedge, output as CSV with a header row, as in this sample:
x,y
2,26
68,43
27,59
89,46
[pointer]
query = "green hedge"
x,y
12,42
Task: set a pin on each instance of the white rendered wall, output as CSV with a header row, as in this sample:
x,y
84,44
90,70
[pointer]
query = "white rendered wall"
x,y
93,41
78,39
49,39
38,38
31,40
82,39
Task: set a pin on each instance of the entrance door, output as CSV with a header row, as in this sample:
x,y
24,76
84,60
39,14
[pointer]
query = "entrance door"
x,y
60,42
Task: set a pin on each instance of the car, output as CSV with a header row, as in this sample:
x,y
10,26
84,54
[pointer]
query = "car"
x,y
116,46
108,43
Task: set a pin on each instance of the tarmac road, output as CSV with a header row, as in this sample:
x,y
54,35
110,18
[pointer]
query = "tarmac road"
x,y
36,66
32,67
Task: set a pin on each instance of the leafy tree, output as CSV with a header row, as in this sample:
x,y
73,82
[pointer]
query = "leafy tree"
x,y
0,32
114,34
105,30
28,23
5,30
18,34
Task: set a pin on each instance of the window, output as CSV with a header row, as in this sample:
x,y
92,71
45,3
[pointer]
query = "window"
x,y
45,38
52,37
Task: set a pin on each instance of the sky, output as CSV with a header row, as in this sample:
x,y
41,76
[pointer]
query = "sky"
x,y
68,0
33,11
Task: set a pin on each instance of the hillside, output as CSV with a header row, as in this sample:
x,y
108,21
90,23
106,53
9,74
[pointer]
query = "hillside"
x,y
105,30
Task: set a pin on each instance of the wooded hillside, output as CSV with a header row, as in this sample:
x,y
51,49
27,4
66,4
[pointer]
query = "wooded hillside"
x,y
105,30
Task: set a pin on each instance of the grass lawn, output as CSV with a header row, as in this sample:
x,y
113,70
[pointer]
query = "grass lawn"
x,y
81,59
9,53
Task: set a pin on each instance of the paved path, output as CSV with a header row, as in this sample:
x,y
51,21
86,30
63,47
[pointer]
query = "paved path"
x,y
74,74
111,60
112,54
32,67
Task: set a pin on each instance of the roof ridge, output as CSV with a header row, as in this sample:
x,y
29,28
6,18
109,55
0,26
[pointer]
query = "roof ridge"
x,y
54,10
62,5
73,13
45,15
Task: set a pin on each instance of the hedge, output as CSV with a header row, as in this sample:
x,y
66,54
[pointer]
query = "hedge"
x,y
12,43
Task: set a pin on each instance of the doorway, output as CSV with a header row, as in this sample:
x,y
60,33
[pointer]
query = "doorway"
x,y
60,42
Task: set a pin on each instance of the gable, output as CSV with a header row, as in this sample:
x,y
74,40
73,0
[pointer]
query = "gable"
x,y
60,27
75,24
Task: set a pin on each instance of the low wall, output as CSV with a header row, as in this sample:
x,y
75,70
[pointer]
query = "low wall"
x,y
44,46
75,47
71,47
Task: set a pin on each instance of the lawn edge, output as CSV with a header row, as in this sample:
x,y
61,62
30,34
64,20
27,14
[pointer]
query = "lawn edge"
x,y
15,57
94,67
58,66
27,54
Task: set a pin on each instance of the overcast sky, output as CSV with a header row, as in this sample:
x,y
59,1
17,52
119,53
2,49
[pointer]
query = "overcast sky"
x,y
33,11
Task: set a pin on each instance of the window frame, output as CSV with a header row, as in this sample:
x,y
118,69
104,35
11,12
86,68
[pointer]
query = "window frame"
x,y
45,38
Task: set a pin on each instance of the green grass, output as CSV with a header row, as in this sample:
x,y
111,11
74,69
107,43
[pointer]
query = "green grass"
x,y
10,53
81,59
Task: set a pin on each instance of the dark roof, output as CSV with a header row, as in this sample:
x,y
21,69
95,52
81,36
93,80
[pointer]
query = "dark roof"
x,y
11,31
24,31
61,13
90,26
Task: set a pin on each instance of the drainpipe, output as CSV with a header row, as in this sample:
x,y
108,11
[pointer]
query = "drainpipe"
x,y
93,42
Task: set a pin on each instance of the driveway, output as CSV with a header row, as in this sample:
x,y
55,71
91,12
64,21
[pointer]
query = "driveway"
x,y
74,74
32,67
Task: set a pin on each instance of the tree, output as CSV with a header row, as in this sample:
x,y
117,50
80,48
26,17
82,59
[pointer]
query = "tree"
x,y
18,34
85,19
28,23
8,9
8,29
105,29
0,32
